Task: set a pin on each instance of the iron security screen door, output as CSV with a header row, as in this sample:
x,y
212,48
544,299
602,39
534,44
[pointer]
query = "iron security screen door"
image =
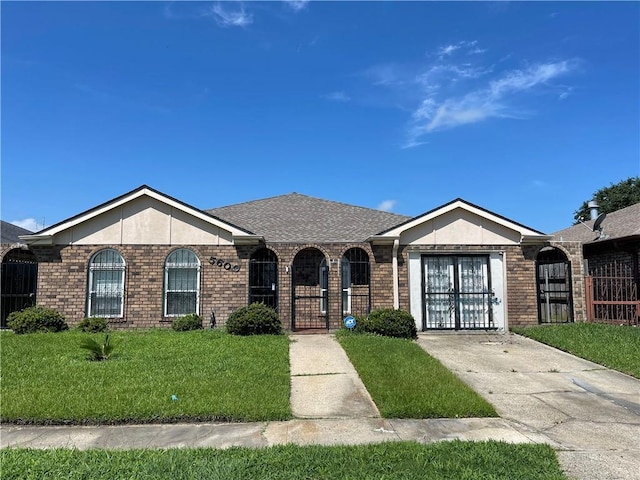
x,y
457,292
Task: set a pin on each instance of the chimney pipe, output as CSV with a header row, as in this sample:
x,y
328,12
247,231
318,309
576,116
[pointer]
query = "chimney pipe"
x,y
593,209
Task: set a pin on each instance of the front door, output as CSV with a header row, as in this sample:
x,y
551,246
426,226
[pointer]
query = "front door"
x,y
457,292
310,283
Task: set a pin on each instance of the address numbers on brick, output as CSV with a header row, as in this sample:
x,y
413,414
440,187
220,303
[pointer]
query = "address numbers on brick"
x,y
218,262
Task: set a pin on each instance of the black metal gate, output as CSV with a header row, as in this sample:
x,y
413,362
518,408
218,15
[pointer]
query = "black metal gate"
x,y
553,276
263,278
19,279
310,294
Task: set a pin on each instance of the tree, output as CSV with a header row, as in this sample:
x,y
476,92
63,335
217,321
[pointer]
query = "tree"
x,y
612,198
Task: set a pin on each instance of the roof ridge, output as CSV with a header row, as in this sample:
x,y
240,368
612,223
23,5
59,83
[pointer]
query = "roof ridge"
x,y
335,202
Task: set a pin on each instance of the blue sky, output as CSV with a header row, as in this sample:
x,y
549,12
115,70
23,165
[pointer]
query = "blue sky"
x,y
523,108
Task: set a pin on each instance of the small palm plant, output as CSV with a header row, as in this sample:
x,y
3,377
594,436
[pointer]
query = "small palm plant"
x,y
98,351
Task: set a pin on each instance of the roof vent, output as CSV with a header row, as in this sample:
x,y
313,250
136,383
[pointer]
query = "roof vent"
x,y
593,209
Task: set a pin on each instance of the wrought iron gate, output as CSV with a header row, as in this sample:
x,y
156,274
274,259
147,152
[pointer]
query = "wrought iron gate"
x,y
553,277
263,278
310,294
612,295
19,277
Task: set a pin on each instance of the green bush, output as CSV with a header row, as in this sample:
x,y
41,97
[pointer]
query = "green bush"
x,y
93,325
188,322
388,322
254,319
36,319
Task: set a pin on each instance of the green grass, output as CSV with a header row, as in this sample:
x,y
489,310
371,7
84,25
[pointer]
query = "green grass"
x,y
405,382
614,346
406,460
46,378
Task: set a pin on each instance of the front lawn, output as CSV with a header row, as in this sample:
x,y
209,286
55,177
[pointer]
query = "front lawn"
x,y
406,382
212,376
614,346
406,460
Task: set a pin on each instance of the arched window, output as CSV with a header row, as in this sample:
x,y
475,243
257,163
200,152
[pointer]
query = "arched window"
x,y
106,284
181,283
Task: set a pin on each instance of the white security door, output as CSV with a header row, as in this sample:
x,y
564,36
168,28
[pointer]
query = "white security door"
x,y
457,292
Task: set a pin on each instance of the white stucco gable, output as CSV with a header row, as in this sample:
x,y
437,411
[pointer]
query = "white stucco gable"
x,y
142,217
459,223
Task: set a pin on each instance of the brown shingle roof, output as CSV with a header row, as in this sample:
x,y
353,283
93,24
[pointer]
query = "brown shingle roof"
x,y
619,224
10,232
298,218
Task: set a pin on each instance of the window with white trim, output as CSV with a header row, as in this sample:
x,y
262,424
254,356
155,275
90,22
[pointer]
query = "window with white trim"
x,y
105,296
181,283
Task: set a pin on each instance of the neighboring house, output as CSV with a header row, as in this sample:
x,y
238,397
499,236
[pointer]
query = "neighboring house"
x,y
144,258
19,271
610,255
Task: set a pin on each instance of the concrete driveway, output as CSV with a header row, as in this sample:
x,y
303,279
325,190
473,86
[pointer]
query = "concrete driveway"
x,y
589,413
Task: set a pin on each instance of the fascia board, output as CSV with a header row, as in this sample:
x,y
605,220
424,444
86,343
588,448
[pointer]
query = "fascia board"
x,y
122,201
396,232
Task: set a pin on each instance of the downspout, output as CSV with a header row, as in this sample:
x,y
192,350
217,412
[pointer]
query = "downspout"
x,y
394,263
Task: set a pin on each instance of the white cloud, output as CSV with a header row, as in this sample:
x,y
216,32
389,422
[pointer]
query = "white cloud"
x,y
480,102
297,5
337,97
28,224
230,18
448,50
387,205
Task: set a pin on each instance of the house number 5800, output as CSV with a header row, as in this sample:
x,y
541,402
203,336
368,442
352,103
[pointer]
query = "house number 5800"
x,y
218,262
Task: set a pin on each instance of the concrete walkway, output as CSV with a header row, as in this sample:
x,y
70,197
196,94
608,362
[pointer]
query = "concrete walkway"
x,y
589,414
324,384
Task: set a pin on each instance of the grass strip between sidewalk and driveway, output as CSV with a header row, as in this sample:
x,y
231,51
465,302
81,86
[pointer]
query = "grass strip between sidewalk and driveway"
x,y
152,376
402,460
613,346
406,382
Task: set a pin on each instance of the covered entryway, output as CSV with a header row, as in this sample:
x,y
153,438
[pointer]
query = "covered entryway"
x,y
19,279
553,277
263,278
457,292
356,287
309,287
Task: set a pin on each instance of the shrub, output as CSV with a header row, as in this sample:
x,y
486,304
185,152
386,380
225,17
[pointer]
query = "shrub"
x,y
191,321
254,319
388,322
93,325
36,319
98,351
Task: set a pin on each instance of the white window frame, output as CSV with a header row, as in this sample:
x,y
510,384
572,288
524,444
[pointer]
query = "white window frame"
x,y
345,270
189,265
100,267
321,284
